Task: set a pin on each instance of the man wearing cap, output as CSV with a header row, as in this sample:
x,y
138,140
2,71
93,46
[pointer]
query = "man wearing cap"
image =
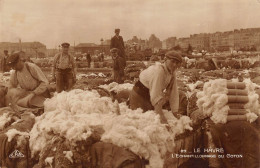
x,y
64,69
118,42
118,68
157,84
29,78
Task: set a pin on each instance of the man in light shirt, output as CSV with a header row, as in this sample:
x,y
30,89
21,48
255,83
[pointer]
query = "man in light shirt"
x,y
64,69
157,84
28,78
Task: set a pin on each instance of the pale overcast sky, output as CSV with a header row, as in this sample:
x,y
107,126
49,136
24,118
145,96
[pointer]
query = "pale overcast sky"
x,y
54,21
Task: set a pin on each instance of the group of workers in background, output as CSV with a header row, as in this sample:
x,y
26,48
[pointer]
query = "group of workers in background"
x,y
157,84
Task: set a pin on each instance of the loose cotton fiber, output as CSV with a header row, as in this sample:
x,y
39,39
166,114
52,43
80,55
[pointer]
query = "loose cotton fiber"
x,y
212,101
73,114
117,87
144,135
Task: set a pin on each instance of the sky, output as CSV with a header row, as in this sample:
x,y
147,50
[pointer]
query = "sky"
x,y
52,22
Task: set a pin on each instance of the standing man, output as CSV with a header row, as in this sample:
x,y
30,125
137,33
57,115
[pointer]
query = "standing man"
x,y
157,84
64,69
89,59
30,78
3,62
118,42
102,56
118,68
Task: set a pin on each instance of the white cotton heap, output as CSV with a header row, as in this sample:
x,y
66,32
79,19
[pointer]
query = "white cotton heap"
x,y
68,155
117,87
13,132
252,106
212,101
91,75
72,114
178,126
193,86
251,117
101,75
49,160
143,133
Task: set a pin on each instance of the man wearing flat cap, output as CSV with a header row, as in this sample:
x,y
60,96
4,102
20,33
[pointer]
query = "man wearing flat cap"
x,y
30,79
64,69
118,42
157,84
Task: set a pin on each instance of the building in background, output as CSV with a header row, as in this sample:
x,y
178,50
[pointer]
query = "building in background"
x,y
136,44
246,39
169,43
222,41
154,43
240,40
200,41
184,43
92,48
31,49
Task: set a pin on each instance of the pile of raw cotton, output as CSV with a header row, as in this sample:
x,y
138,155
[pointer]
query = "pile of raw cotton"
x,y
224,100
72,115
117,87
91,75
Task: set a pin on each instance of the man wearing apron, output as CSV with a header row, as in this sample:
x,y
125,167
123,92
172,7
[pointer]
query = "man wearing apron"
x,y
64,69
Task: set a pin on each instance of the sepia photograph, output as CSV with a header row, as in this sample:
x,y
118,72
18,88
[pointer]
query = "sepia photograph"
x,y
129,83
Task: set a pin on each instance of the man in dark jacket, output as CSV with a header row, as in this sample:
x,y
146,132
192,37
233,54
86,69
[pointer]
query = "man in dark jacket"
x,y
89,59
4,67
118,42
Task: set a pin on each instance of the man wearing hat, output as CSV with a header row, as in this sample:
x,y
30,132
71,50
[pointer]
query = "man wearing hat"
x,y
118,68
29,78
64,69
157,84
118,42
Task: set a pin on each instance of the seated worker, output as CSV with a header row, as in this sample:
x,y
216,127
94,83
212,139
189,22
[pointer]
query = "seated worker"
x,y
29,78
118,66
157,84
